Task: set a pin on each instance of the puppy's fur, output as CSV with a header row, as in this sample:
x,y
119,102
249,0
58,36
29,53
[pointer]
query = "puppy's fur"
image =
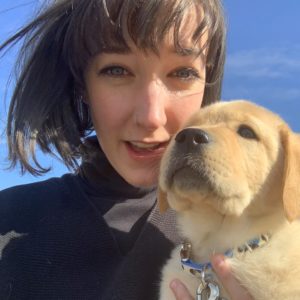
x,y
241,181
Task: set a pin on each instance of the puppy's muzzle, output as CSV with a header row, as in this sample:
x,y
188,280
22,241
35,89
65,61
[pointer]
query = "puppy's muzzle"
x,y
190,140
186,166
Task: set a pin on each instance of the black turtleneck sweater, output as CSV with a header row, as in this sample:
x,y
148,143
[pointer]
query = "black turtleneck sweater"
x,y
88,235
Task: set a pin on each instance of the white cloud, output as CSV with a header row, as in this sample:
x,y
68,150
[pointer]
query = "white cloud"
x,y
264,62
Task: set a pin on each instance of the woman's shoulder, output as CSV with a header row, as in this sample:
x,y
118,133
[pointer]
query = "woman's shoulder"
x,y
24,189
32,192
35,200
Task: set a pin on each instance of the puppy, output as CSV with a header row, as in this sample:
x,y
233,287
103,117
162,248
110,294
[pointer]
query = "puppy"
x,y
233,177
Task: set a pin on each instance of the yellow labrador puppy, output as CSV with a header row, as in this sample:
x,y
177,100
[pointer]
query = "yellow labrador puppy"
x,y
233,177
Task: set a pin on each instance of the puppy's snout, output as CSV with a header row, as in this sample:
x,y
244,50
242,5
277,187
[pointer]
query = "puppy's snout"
x,y
191,139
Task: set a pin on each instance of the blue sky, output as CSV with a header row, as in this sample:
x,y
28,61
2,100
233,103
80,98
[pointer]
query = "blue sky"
x,y
263,63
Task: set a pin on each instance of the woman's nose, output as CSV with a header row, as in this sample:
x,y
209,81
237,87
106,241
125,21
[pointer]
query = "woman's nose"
x,y
150,110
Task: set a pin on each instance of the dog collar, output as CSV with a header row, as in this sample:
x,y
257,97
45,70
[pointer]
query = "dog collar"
x,y
193,267
199,268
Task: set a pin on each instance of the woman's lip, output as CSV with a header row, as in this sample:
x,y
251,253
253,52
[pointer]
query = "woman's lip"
x,y
137,152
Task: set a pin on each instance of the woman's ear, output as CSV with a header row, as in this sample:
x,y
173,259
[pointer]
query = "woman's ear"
x,y
162,200
291,176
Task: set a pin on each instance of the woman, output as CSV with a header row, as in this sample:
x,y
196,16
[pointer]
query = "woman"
x,y
133,71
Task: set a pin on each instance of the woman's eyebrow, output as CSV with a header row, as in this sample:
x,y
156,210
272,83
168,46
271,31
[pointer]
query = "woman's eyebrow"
x,y
186,51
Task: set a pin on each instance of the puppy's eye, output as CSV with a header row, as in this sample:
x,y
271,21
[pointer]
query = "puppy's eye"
x,y
247,132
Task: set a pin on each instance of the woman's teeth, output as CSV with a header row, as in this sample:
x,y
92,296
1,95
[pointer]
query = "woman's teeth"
x,y
142,146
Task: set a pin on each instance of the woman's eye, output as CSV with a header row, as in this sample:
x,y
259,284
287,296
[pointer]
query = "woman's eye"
x,y
114,71
186,74
247,132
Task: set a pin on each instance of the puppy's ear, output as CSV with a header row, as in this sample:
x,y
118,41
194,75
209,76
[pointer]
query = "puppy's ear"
x,y
162,200
291,177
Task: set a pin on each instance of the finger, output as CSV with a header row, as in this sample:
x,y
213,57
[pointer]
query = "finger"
x,y
179,290
230,283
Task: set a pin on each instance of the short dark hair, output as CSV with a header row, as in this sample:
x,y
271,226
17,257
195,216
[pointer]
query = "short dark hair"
x,y
46,107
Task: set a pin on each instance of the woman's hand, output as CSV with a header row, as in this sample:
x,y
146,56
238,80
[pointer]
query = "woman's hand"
x,y
179,290
232,286
223,271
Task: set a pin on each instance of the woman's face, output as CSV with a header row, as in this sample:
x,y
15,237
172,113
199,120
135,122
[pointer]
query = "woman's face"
x,y
138,101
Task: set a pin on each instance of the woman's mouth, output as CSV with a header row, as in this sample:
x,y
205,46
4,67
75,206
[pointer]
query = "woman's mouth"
x,y
146,149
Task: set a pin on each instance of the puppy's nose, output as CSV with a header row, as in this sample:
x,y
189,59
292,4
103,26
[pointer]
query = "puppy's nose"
x,y
190,139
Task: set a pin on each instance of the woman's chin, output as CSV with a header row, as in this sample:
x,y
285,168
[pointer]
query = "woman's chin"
x,y
145,181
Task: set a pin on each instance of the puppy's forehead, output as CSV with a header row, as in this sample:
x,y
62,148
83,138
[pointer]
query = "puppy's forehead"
x,y
238,110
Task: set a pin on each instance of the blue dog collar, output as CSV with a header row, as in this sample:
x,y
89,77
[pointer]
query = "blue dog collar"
x,y
193,267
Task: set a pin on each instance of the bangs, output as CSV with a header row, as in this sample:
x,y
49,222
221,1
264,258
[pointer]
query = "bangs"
x,y
108,26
